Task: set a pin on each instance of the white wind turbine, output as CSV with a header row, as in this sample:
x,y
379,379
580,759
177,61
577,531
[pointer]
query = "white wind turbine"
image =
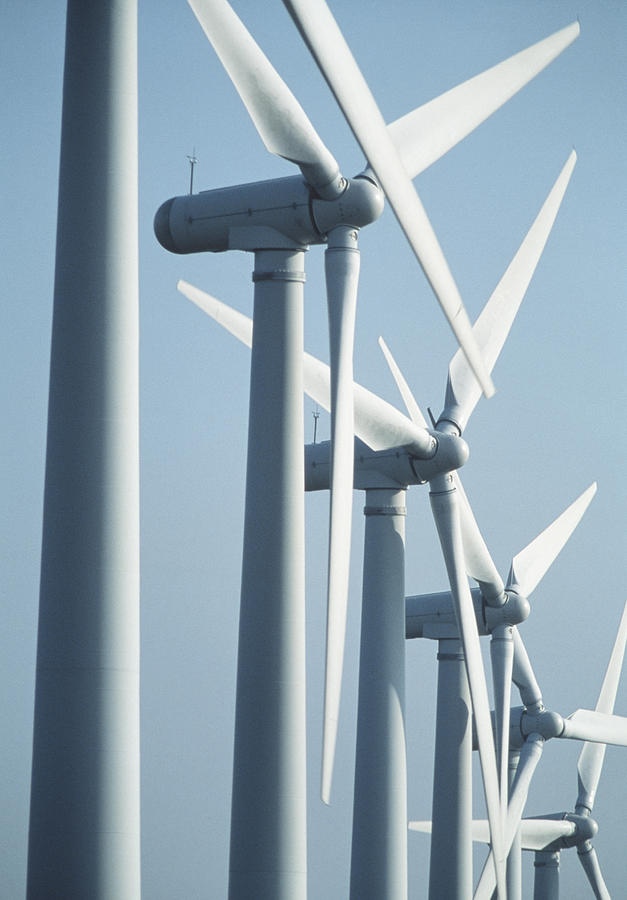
x,y
432,615
548,835
379,796
535,725
464,552
325,207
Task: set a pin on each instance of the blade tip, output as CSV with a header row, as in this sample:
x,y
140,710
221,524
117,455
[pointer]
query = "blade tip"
x,y
488,388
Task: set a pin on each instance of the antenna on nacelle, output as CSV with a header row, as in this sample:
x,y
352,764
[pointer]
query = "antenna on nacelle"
x,y
192,162
316,416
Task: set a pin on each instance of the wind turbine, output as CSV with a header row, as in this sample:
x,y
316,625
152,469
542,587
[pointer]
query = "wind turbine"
x,y
533,724
84,838
548,835
465,553
277,220
432,615
424,455
327,208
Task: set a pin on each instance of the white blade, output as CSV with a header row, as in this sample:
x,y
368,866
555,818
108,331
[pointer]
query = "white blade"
x,y
444,507
589,725
277,115
529,759
522,673
239,325
342,74
481,831
497,317
377,423
342,273
502,657
479,564
535,834
531,564
415,413
426,827
426,134
592,755
589,861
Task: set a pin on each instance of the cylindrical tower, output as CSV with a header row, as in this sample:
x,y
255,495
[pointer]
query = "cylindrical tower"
x,y
268,859
379,845
84,816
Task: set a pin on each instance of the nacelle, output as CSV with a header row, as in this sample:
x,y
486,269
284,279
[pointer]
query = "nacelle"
x,y
277,213
379,468
426,613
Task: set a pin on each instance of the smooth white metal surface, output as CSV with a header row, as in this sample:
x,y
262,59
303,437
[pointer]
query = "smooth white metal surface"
x,y
84,838
342,278
450,868
268,858
379,845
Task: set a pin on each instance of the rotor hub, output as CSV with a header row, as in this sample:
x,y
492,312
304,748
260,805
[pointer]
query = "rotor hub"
x,y
586,828
513,611
543,722
358,205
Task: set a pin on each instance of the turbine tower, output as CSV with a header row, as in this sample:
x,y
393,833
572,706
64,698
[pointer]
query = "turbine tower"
x,y
84,836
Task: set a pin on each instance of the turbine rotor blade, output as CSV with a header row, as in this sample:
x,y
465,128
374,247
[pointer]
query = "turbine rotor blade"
x,y
336,63
239,325
276,114
444,505
531,564
425,827
589,860
529,758
423,136
537,834
589,725
479,564
590,763
342,274
415,413
522,673
497,317
377,423
502,657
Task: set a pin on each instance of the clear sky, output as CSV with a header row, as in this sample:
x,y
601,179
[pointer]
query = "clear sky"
x,y
556,424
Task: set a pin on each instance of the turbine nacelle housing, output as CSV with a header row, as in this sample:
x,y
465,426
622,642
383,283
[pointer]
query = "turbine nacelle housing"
x,y
398,466
426,614
280,213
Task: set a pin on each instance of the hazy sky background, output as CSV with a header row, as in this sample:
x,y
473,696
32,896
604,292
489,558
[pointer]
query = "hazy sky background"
x,y
556,424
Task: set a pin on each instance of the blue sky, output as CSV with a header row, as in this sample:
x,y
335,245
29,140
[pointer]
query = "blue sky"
x,y
556,424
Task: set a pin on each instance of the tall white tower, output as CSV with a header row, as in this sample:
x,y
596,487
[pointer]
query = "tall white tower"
x,y
84,816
